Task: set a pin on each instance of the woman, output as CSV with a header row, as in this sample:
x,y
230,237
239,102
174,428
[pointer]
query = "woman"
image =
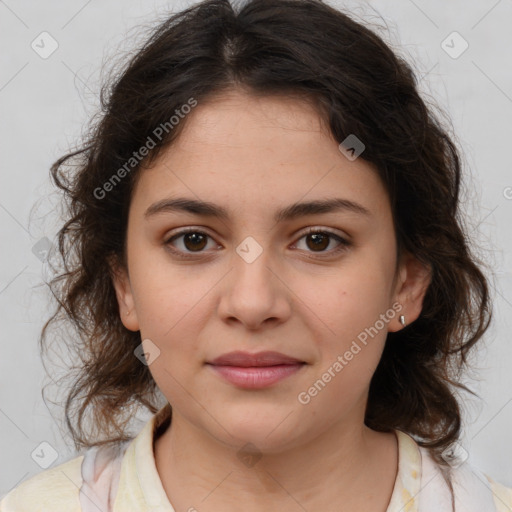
x,y
264,232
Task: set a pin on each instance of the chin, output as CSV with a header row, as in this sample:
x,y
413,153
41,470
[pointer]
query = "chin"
x,y
257,433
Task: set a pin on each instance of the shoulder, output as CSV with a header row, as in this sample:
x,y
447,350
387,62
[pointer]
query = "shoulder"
x,y
502,495
474,490
53,490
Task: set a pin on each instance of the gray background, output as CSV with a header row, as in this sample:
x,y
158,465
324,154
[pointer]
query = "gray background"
x,y
45,102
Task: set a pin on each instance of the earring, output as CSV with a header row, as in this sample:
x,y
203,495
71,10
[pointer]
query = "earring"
x,y
127,313
402,320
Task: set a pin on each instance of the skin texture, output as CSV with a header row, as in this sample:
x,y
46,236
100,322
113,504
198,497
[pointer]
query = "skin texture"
x,y
253,156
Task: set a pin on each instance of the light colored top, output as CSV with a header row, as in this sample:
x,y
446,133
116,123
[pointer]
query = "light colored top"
x,y
125,479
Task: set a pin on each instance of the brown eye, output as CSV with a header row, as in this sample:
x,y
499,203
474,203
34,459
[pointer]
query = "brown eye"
x,y
191,241
194,241
318,241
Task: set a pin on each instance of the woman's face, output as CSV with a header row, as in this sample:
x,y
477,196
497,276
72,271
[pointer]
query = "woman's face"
x,y
253,282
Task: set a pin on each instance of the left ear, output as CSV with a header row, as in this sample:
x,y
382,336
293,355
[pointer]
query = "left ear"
x,y
412,283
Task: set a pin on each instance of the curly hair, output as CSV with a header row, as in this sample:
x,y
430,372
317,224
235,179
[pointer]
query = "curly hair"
x,y
360,86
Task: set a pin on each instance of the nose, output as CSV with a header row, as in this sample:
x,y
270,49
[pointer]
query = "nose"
x,y
254,293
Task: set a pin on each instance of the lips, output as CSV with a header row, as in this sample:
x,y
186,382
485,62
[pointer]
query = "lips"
x,y
246,359
255,371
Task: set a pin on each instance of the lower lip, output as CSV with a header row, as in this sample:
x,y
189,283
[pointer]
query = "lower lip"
x,y
256,377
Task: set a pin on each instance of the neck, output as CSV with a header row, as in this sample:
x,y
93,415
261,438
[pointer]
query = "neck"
x,y
349,465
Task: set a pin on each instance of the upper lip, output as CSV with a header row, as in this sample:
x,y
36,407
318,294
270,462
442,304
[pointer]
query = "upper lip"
x,y
246,359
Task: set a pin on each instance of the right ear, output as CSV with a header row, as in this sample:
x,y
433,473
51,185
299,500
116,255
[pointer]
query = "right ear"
x,y
124,294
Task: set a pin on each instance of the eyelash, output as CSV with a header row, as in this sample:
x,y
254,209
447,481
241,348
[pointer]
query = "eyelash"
x,y
343,243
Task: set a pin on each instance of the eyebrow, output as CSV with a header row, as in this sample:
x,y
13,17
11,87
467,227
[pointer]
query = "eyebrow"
x,y
294,211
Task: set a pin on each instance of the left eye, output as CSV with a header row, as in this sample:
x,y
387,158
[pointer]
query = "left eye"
x,y
321,240
195,241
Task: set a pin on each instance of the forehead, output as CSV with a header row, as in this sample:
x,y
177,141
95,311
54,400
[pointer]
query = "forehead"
x,y
248,152
231,110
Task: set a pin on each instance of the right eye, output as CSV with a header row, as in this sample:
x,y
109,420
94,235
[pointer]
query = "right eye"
x,y
192,241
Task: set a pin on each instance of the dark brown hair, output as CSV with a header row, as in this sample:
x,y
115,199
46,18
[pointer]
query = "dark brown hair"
x,y
360,86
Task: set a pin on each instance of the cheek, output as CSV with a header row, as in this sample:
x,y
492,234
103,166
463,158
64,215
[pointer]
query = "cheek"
x,y
169,297
351,298
350,350
172,310
345,316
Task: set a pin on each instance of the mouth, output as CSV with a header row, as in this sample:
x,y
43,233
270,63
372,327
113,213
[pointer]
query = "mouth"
x,y
255,371
247,359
